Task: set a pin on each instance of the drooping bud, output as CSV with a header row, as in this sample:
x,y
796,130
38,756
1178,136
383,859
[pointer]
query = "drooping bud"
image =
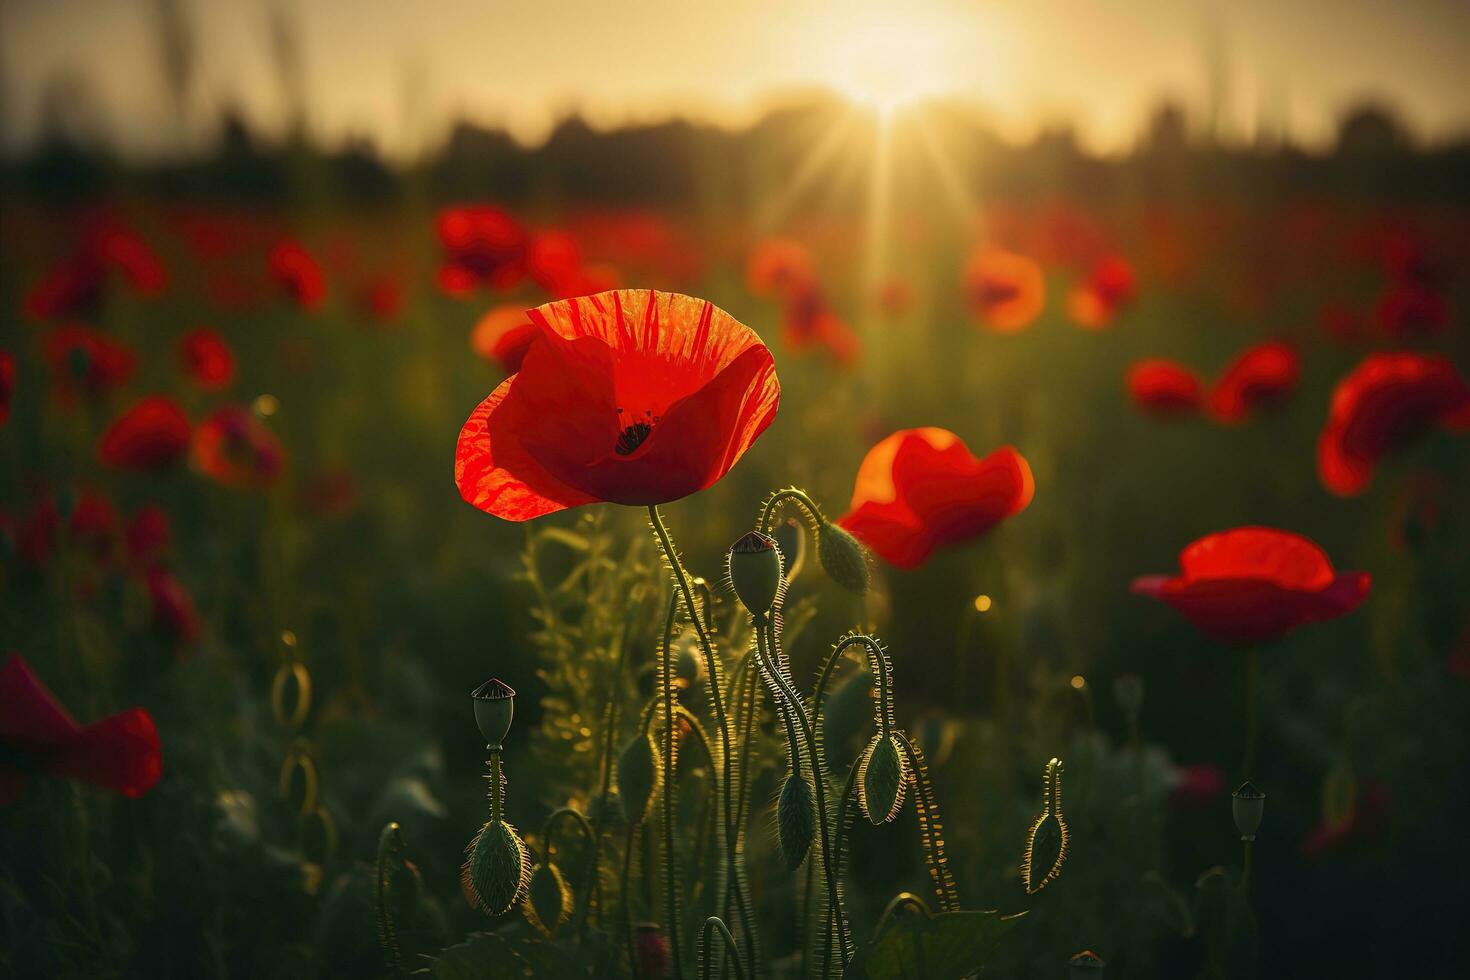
x,y
796,820
1248,805
495,706
791,539
755,572
548,902
882,779
1086,965
637,777
496,870
844,559
1046,844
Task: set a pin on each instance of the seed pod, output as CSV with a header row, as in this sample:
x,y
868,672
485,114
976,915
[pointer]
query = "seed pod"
x,y
1247,805
1046,844
495,706
844,559
796,820
548,902
755,572
791,539
882,779
638,777
496,869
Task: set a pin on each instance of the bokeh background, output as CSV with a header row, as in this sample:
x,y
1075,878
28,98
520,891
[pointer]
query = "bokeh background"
x,y
288,177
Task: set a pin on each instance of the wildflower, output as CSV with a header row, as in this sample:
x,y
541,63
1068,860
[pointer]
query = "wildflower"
x,y
630,397
1260,377
152,435
207,359
38,735
1254,584
1109,287
1384,404
483,246
7,384
1163,387
298,275
1197,786
922,489
503,335
235,448
147,536
779,267
1005,291
85,362
173,613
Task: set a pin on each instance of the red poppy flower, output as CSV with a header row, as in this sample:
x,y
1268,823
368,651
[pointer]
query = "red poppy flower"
x,y
70,288
152,435
296,272
1385,403
1410,309
94,524
1163,387
86,362
7,384
235,448
207,359
1258,378
779,267
554,262
630,397
922,489
132,257
503,335
148,536
173,613
1005,291
1197,786
483,246
1109,287
120,753
380,299
808,322
1366,819
1254,584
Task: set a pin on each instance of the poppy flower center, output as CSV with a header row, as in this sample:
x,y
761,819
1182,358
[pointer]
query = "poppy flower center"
x,y
635,430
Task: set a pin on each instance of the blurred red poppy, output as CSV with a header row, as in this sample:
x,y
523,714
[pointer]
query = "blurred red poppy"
x,y
1259,378
297,274
554,262
75,285
148,536
1109,287
152,435
7,384
894,297
1164,387
483,246
173,614
380,299
120,753
1255,584
630,397
807,322
1005,291
70,288
85,362
922,489
1365,820
779,267
503,335
1385,403
1410,309
207,359
1197,786
234,448
94,524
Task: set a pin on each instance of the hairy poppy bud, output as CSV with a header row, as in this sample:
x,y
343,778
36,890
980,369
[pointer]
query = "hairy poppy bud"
x,y
495,706
791,539
1086,965
496,871
548,902
1248,805
883,779
796,820
1046,844
844,559
638,777
755,572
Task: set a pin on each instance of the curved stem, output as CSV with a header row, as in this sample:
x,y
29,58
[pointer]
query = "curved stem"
x,y
715,924
832,918
809,508
877,665
712,667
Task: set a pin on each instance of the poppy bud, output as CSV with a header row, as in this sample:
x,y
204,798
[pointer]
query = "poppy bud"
x,y
1248,805
1086,965
791,539
548,902
651,947
844,559
882,779
1046,844
796,820
495,873
755,572
495,705
638,777
1128,691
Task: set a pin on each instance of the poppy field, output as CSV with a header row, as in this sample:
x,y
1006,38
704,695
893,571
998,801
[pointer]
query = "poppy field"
x,y
696,570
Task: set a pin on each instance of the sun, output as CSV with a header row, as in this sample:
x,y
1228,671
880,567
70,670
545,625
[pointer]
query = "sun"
x,y
889,63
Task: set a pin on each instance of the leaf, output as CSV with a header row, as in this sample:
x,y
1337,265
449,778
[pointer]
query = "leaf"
x,y
919,946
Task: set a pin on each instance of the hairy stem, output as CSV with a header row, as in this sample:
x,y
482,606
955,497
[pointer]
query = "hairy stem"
x,y
671,876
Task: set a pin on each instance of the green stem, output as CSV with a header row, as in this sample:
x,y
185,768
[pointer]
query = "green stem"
x,y
1252,669
712,667
706,970
390,844
809,508
671,876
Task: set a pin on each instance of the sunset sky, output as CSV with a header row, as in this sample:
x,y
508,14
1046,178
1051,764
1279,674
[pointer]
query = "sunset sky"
x,y
400,71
